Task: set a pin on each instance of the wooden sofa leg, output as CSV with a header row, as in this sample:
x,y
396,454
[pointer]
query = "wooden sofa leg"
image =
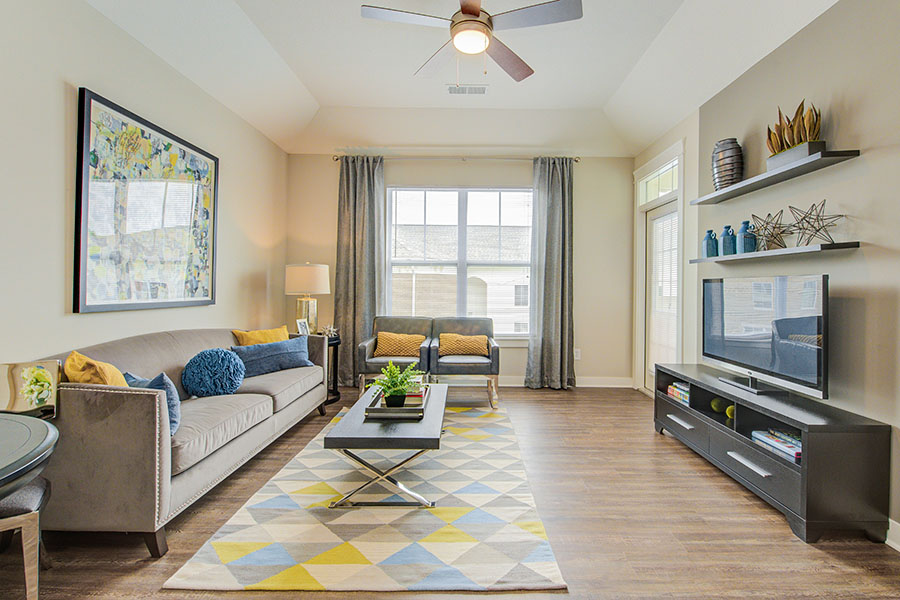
x,y
156,542
322,409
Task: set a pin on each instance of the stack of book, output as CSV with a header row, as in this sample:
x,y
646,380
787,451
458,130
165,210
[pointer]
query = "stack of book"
x,y
784,444
679,391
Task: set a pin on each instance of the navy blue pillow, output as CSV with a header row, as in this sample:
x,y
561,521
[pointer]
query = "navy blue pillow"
x,y
160,382
260,359
213,372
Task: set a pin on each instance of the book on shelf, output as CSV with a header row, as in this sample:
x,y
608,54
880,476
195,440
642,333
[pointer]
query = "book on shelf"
x,y
682,386
787,437
777,445
678,394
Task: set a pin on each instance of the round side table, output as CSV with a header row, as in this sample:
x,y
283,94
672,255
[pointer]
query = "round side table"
x,y
26,444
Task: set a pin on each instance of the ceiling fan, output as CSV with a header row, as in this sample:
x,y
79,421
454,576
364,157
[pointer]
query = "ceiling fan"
x,y
472,30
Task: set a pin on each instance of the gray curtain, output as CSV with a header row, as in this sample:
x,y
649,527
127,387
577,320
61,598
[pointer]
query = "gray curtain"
x,y
361,239
551,353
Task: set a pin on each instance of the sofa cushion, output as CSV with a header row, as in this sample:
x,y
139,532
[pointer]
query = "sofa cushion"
x,y
463,365
284,386
260,359
379,362
209,423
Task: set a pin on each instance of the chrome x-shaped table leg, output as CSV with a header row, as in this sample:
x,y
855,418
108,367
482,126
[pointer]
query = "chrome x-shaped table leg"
x,y
383,477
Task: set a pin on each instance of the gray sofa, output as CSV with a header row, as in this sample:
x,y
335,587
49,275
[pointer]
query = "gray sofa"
x,y
116,468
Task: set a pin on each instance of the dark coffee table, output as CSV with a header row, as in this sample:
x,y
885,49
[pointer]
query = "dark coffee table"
x,y
354,432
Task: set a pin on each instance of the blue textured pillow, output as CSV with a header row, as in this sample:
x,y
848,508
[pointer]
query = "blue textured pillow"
x,y
160,382
277,356
213,372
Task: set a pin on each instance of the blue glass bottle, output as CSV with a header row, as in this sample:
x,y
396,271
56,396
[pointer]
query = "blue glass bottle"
x,y
746,239
727,242
709,246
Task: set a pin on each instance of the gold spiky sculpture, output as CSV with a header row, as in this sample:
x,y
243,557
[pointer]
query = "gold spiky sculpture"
x,y
787,133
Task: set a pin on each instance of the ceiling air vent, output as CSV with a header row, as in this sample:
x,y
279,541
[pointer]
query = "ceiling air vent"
x,y
478,90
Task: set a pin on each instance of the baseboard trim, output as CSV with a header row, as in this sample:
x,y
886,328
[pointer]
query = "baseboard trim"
x,y
586,382
893,535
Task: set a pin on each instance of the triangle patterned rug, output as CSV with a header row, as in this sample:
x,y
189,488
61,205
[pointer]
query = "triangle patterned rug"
x,y
483,534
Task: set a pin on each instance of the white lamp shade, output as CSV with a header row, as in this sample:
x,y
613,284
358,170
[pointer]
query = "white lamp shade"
x,y
306,279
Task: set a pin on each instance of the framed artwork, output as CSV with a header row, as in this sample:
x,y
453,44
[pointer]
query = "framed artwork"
x,y
31,388
302,327
145,213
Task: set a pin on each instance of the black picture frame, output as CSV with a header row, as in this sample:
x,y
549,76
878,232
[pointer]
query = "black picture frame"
x,y
148,134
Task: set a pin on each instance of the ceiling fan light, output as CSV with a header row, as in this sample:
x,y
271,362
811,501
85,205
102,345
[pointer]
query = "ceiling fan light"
x,y
472,40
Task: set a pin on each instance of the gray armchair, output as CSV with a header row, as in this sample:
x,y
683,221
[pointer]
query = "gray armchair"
x,y
441,367
371,365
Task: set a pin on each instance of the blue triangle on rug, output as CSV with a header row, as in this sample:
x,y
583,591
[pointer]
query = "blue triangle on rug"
x,y
542,553
476,488
412,554
446,578
273,554
282,501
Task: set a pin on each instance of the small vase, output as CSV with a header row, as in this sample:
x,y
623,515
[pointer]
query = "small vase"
x,y
727,241
395,401
709,246
727,163
746,239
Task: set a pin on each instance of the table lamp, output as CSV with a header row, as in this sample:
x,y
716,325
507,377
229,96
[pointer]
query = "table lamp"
x,y
303,281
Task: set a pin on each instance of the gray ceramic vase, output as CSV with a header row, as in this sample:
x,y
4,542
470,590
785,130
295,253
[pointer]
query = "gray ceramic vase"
x,y
727,163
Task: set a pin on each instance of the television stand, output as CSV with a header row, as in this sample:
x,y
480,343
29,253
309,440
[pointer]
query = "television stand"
x,y
753,385
842,480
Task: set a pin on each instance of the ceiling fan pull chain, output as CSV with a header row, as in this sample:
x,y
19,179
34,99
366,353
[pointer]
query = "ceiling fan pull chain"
x,y
457,70
484,56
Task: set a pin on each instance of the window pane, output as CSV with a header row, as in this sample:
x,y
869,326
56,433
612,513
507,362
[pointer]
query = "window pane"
x,y
441,229
516,209
652,189
665,182
483,243
483,208
423,290
492,292
409,242
409,207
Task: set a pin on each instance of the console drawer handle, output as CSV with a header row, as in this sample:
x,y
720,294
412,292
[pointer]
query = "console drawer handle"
x,y
681,422
755,468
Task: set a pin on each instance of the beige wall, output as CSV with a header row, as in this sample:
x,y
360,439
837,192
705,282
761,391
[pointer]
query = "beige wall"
x,y
49,49
847,63
603,238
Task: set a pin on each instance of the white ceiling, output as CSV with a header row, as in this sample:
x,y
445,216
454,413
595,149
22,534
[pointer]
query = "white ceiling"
x,y
315,77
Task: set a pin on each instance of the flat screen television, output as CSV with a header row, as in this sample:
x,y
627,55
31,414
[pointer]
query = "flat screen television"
x,y
770,329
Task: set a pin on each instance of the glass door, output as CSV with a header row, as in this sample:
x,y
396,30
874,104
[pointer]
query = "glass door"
x,y
661,327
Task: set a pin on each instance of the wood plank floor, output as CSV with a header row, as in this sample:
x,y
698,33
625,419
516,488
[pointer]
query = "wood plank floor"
x,y
629,513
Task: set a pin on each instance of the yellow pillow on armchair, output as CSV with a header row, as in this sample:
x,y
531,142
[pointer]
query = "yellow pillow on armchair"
x,y
456,344
398,344
261,336
82,369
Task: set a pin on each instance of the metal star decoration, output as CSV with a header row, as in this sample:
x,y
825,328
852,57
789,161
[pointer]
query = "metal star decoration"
x,y
813,224
770,231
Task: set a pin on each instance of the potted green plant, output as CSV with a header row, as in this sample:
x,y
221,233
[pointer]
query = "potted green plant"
x,y
396,384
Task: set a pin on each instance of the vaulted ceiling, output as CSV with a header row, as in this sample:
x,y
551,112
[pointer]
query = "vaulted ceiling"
x,y
315,77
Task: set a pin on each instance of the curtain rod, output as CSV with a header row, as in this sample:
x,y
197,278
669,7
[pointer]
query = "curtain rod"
x,y
336,157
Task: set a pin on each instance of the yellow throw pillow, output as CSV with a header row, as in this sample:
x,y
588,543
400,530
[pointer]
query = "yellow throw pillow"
x,y
261,336
398,344
454,343
81,369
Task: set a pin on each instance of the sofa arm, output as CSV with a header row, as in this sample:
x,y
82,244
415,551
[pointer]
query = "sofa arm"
x,y
494,351
112,467
318,352
433,355
364,352
424,351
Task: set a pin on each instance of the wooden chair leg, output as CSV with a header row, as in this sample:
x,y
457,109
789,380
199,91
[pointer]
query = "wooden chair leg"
x,y
362,384
495,384
156,542
31,536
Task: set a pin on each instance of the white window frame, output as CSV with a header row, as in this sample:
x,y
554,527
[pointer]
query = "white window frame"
x,y
461,262
675,151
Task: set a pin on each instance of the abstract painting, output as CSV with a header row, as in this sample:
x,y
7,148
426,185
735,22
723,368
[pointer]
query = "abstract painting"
x,y
145,213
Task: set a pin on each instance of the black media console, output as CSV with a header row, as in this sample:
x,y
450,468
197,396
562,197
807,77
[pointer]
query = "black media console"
x,y
842,479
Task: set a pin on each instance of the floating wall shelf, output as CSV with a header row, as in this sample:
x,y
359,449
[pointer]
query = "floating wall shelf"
x,y
811,163
811,249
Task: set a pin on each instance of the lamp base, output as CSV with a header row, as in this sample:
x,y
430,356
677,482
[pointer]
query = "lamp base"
x,y
306,309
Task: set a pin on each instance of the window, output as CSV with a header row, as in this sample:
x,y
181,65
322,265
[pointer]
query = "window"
x,y
762,295
660,182
521,295
461,252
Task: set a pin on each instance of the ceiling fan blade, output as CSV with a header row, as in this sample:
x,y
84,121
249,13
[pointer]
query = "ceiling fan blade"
x,y
437,60
470,7
556,11
508,60
402,16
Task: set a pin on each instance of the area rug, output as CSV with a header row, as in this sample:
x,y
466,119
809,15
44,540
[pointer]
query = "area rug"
x,y
484,533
